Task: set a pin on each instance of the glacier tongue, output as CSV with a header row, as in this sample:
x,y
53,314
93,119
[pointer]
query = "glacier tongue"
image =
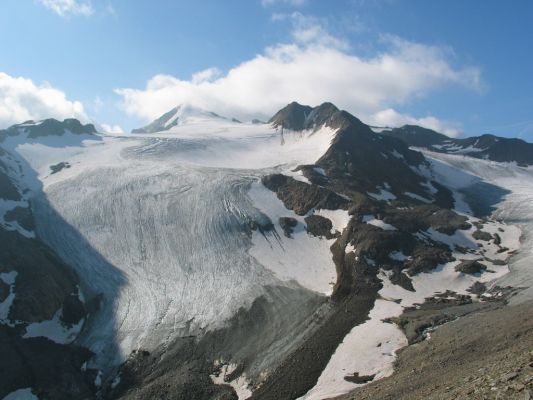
x,y
166,246
158,228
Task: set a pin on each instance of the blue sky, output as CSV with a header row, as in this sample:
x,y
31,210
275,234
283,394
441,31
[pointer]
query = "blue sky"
x,y
457,66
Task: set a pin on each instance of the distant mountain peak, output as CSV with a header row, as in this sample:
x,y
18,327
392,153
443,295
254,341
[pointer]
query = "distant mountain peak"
x,y
486,146
179,115
48,127
297,117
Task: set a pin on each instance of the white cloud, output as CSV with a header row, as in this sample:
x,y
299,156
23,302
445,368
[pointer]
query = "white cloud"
x,y
294,3
65,8
205,75
21,100
311,30
314,68
111,128
391,118
97,105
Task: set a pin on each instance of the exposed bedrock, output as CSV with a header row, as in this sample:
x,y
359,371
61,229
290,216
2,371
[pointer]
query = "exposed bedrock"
x,y
43,281
300,196
254,340
53,370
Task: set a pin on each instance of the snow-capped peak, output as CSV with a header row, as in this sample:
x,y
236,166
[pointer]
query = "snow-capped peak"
x,y
179,115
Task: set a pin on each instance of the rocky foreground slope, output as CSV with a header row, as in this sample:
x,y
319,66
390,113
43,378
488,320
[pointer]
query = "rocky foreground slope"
x,y
204,258
486,355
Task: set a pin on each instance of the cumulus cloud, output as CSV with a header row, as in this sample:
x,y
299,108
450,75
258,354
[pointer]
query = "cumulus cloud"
x,y
392,118
313,68
21,100
65,8
311,30
111,128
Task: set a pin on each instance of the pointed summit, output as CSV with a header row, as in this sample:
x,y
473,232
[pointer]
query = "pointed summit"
x,y
292,116
179,115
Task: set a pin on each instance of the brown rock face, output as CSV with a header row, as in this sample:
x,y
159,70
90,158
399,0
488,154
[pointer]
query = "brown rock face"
x,y
318,225
470,267
43,281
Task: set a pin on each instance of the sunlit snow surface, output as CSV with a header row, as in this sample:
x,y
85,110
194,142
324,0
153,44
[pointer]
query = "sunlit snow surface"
x,y
159,225
515,208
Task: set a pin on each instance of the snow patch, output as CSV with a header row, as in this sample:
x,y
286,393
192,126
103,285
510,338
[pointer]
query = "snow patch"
x,y
368,349
240,384
349,248
371,220
8,278
396,154
398,256
303,258
54,329
339,218
320,170
383,195
417,197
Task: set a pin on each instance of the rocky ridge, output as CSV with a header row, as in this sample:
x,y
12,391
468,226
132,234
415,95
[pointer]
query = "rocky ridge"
x,y
486,146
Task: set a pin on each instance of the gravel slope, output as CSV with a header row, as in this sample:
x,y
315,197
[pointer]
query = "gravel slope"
x,y
487,355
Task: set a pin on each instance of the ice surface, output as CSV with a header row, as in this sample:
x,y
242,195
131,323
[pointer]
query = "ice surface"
x,y
158,226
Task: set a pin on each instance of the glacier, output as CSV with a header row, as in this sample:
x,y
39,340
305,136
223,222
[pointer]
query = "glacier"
x,y
162,228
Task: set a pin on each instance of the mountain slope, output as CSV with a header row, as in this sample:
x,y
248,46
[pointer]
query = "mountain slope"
x,y
48,127
177,116
488,147
41,307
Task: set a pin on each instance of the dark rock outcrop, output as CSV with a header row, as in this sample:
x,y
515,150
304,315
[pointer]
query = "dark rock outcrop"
x,y
43,281
4,290
359,379
160,123
8,190
293,117
287,224
300,196
73,310
22,215
471,267
58,167
399,278
482,235
48,127
318,225
52,370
